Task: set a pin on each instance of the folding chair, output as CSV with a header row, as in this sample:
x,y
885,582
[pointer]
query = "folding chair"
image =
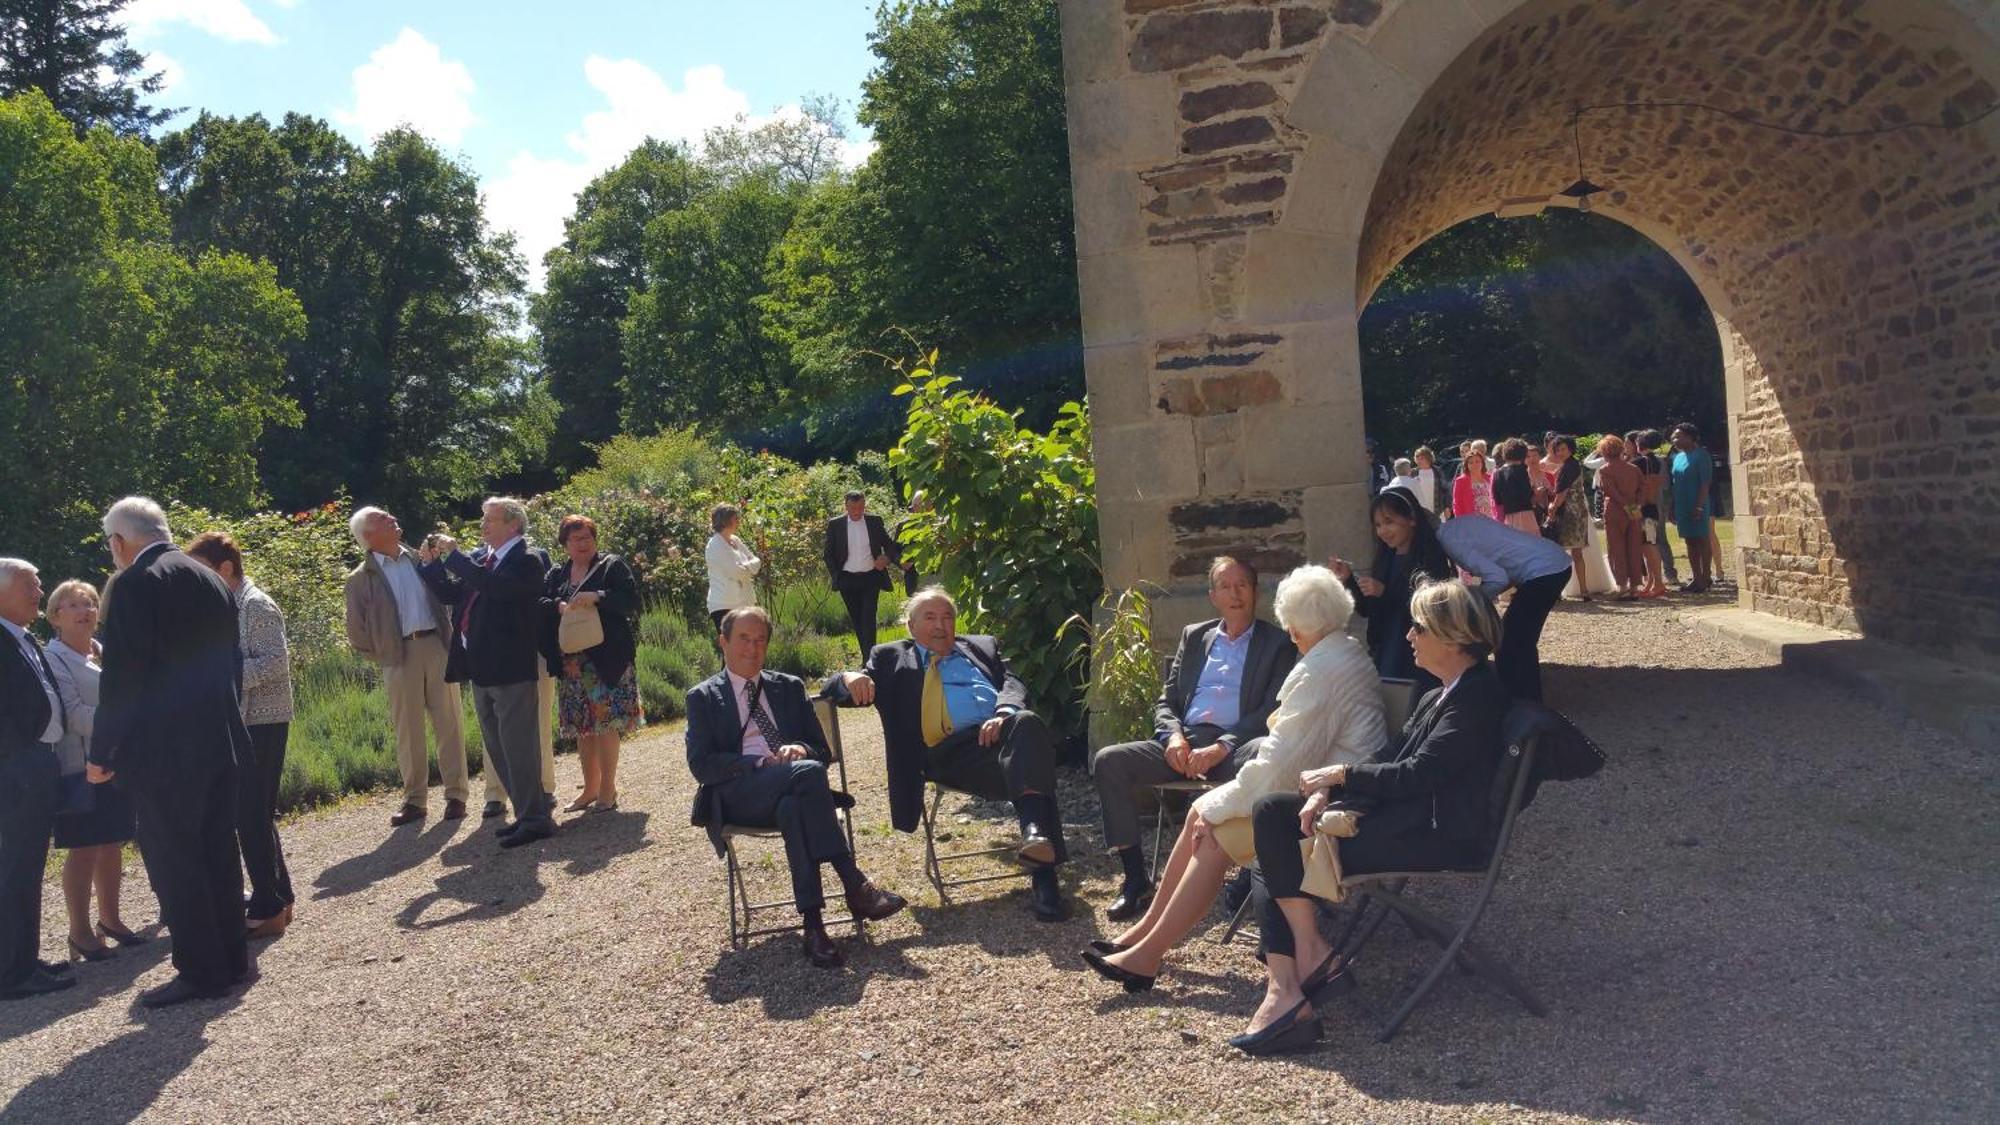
x,y
741,909
934,863
1386,891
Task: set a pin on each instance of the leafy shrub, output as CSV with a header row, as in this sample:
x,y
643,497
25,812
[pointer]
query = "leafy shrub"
x,y
1124,668
809,656
301,560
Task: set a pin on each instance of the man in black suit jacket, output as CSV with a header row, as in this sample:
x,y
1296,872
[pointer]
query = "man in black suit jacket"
x,y
974,734
31,723
757,750
1218,696
169,727
497,601
858,552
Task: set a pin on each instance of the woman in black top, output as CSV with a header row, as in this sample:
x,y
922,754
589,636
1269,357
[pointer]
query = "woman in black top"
x,y
1407,552
597,689
1514,489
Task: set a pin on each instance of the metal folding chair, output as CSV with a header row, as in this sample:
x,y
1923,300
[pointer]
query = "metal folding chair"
x,y
741,909
1382,894
934,863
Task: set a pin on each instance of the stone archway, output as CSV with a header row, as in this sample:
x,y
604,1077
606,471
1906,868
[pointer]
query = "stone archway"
x,y
1246,172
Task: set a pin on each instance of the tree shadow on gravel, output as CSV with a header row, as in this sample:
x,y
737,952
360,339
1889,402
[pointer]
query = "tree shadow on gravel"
x,y
96,983
400,850
484,879
773,970
118,1081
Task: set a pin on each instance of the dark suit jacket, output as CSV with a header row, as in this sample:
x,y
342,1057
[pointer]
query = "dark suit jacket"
x,y
899,700
24,705
617,609
1438,780
1270,660
167,703
880,542
715,738
508,635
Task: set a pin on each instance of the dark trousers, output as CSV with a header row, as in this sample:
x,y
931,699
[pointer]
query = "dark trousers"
x,y
27,815
257,820
1023,761
1124,769
861,592
792,797
510,724
186,829
1519,660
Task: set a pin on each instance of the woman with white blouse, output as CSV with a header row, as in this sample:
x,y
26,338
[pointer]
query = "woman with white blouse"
x,y
1329,712
732,566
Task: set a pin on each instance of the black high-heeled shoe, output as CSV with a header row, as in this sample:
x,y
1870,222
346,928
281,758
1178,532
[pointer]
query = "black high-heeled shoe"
x,y
79,953
1133,982
1326,977
1286,1033
121,937
1107,947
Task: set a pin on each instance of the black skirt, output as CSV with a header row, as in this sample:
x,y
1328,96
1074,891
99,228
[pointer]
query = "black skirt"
x,y
109,820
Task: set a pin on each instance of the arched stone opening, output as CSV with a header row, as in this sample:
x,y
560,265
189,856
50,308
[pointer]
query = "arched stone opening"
x,y
1246,172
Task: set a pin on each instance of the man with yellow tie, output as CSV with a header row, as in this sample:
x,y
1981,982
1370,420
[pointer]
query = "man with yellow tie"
x,y
952,713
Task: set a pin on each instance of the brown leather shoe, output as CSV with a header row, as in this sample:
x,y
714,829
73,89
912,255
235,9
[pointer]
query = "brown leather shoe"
x,y
872,904
274,926
410,815
820,949
454,809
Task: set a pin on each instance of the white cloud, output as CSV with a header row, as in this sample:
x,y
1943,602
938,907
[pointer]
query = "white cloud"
x,y
231,20
171,72
408,81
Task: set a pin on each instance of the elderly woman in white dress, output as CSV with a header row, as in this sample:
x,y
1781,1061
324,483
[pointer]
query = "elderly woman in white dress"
x,y
1329,712
732,566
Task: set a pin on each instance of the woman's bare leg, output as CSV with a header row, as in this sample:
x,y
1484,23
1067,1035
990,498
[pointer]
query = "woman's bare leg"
x,y
1189,901
1177,864
109,878
607,768
77,868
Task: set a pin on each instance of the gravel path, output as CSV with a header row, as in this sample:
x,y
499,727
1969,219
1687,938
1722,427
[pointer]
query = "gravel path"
x,y
1776,904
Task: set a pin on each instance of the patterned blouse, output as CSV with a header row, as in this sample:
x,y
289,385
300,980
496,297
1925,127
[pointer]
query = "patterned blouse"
x,y
267,658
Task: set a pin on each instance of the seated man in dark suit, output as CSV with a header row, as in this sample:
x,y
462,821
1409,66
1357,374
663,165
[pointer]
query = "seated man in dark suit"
x,y
1218,696
756,747
953,714
31,723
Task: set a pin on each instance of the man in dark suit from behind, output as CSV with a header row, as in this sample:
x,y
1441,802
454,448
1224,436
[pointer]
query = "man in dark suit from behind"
x,y
952,713
31,723
1218,696
496,596
858,552
756,748
170,730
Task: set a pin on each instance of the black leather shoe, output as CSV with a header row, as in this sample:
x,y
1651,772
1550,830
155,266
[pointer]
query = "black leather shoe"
x,y
1036,850
179,991
493,809
819,948
122,936
507,830
871,903
1286,1033
1045,900
1133,982
37,984
55,968
1327,978
1107,947
454,809
527,835
1130,903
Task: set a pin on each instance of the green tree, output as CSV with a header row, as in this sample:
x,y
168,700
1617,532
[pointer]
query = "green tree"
x,y
75,53
124,365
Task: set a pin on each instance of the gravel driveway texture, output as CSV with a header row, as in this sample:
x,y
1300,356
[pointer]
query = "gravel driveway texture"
x,y
1775,904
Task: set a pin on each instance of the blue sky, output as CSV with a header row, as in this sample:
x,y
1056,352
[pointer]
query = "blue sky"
x,y
535,97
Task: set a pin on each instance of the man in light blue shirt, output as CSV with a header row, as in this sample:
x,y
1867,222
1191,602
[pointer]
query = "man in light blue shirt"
x,y
1534,568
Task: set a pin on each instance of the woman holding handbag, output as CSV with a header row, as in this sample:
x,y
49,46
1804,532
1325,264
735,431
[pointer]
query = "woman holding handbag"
x,y
95,820
597,688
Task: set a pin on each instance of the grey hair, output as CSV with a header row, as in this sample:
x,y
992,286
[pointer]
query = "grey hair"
x,y
11,569
138,521
73,588
927,594
1405,466
357,522
1311,600
515,511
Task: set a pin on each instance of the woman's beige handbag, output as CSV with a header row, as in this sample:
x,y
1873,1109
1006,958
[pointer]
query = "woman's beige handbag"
x,y
1322,854
581,628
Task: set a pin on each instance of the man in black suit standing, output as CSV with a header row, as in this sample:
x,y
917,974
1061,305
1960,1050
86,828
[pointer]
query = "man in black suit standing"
x,y
169,728
859,550
31,723
756,748
1218,696
952,713
497,596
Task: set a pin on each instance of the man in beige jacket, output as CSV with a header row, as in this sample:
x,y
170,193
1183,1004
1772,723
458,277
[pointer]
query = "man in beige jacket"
x,y
394,620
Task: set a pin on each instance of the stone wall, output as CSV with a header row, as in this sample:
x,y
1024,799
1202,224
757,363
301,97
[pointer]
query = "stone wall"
x,y
1247,171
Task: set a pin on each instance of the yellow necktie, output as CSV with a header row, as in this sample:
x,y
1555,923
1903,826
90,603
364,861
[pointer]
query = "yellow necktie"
x,y
936,716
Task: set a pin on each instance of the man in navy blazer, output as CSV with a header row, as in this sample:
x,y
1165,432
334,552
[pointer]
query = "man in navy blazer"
x,y
756,748
31,723
975,734
1218,697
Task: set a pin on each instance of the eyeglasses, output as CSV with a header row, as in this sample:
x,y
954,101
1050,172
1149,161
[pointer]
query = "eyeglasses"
x,y
1417,628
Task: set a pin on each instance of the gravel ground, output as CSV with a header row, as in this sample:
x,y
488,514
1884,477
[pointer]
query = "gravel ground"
x,y
1775,904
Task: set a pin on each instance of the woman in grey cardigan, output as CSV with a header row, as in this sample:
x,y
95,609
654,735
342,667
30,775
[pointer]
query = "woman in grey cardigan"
x,y
267,711
94,836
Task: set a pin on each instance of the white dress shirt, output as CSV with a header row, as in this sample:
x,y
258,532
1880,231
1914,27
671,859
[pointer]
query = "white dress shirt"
x,y
413,611
33,655
755,745
859,556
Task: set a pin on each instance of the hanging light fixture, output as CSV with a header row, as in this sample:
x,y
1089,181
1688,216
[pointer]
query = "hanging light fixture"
x,y
1583,188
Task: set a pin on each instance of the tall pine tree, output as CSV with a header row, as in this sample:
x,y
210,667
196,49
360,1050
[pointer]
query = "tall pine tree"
x,y
75,53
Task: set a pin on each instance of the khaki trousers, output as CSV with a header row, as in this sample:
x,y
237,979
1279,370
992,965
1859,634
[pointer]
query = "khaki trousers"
x,y
545,714
417,689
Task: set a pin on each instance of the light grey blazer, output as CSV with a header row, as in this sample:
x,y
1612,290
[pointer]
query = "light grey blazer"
x,y
76,685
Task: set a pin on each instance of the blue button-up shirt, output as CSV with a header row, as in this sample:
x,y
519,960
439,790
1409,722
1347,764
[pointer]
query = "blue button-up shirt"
x,y
1218,694
969,697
